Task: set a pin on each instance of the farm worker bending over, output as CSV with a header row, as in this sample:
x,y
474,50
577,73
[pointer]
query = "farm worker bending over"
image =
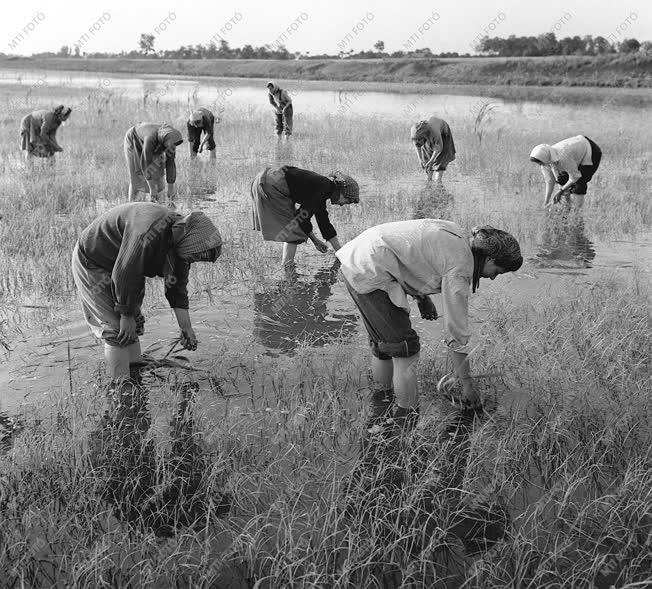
x,y
38,131
384,264
433,141
285,199
570,163
282,103
201,121
113,256
150,150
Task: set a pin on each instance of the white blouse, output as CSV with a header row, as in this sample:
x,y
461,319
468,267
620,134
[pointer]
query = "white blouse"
x,y
418,257
567,156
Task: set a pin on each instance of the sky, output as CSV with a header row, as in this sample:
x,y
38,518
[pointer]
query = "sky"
x,y
325,26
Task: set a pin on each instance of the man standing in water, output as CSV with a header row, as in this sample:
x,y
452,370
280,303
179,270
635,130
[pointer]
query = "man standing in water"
x,y
282,103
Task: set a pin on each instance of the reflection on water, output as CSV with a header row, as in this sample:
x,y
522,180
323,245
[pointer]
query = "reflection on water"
x,y
433,202
564,243
296,311
160,492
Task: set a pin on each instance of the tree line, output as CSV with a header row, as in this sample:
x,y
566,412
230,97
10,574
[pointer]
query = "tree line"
x,y
548,44
525,46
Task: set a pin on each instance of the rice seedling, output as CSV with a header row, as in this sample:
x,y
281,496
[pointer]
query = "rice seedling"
x,y
256,471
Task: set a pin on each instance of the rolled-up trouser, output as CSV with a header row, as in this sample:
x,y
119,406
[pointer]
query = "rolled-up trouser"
x,y
94,286
581,186
284,121
389,327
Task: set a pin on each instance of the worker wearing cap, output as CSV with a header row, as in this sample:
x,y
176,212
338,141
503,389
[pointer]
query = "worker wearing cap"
x,y
282,103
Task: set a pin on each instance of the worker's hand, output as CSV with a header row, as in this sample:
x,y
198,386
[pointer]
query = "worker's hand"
x,y
470,396
188,339
172,191
320,246
127,334
557,196
427,308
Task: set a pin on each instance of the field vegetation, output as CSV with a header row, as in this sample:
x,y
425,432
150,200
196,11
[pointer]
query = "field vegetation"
x,y
262,477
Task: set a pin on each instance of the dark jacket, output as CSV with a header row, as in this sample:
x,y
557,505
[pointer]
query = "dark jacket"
x,y
133,241
311,191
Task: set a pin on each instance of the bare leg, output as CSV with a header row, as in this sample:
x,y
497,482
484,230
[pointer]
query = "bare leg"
x,y
438,176
382,373
134,352
405,381
289,251
117,361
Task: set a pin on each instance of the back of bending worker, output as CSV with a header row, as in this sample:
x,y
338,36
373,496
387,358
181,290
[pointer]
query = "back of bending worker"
x,y
115,254
201,122
150,151
384,264
571,163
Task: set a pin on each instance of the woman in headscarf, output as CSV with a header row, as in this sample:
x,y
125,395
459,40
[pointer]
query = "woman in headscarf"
x,y
282,103
285,199
434,144
384,264
201,121
150,151
38,131
113,256
570,163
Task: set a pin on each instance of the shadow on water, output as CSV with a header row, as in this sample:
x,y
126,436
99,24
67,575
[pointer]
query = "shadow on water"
x,y
156,491
433,202
407,490
564,243
295,311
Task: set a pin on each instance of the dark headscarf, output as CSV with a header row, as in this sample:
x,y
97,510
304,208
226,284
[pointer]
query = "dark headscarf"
x,y
497,245
168,134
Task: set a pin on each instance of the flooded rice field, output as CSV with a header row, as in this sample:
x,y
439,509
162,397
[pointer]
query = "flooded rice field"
x,y
252,443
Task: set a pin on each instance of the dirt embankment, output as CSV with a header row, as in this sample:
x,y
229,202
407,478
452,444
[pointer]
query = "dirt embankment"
x,y
616,71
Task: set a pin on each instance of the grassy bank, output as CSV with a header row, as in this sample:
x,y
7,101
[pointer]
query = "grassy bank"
x,y
618,71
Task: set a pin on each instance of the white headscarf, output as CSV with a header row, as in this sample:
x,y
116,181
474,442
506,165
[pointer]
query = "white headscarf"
x,y
545,153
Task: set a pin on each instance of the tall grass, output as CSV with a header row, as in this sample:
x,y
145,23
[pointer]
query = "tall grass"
x,y
276,485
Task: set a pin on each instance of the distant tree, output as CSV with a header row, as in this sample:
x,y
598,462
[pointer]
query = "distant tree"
x,y
379,46
64,51
224,51
211,51
146,43
629,46
601,45
646,47
589,45
248,52
76,50
546,44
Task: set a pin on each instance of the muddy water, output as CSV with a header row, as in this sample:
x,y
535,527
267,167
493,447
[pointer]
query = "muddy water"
x,y
265,326
227,94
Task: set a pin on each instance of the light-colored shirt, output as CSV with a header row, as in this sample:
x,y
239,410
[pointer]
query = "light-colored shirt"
x,y
567,156
419,257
